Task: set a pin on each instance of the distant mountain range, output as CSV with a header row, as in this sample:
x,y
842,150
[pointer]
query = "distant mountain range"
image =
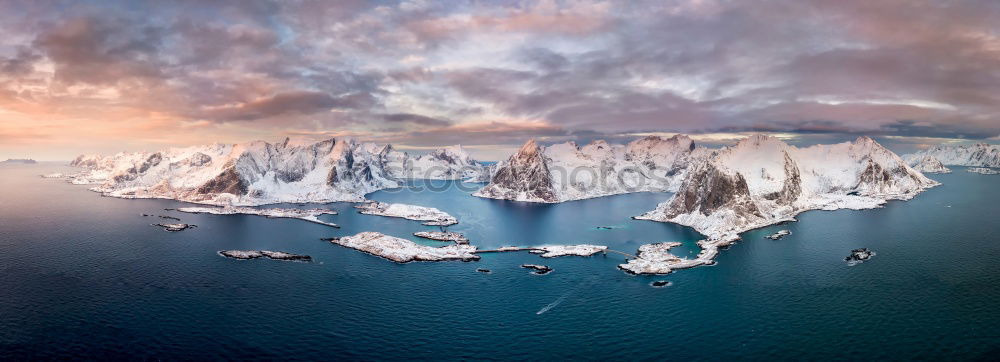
x,y
977,155
259,172
720,192
19,160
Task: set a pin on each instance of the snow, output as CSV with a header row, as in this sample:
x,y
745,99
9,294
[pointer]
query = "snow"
x,y
404,251
311,215
429,215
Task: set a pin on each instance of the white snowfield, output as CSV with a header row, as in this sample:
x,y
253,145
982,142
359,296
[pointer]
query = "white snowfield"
x,y
979,155
429,215
404,251
311,215
258,173
566,171
929,164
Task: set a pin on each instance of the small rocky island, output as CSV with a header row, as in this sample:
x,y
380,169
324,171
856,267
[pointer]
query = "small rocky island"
x,y
311,215
983,171
457,238
402,250
429,215
175,227
660,284
539,269
778,235
859,256
254,254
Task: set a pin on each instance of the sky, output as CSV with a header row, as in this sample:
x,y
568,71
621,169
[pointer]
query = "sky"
x,y
106,76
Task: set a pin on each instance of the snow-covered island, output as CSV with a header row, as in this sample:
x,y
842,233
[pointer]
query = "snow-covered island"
x,y
311,215
449,236
538,269
174,227
254,254
983,171
429,215
763,181
552,251
859,256
778,235
404,251
657,259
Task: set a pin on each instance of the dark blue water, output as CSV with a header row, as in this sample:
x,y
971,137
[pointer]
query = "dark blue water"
x,y
85,276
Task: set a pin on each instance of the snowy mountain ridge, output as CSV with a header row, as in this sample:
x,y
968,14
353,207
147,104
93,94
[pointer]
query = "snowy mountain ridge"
x,y
567,171
258,172
978,155
762,181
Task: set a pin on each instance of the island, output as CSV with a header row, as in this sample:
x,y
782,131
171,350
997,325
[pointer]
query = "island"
x,y
429,215
402,250
553,251
254,254
310,215
175,227
983,171
457,238
859,256
778,235
538,269
657,259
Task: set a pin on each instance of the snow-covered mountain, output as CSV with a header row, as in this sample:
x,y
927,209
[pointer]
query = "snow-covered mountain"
x,y
449,163
258,172
929,164
762,180
565,171
979,154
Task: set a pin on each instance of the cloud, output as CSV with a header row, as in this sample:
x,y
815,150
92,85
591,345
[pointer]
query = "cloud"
x,y
415,118
497,73
295,102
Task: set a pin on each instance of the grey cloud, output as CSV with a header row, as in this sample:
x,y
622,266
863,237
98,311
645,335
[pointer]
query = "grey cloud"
x,y
415,118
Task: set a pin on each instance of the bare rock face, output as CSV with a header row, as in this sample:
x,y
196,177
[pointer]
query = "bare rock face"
x,y
524,176
709,189
793,184
228,181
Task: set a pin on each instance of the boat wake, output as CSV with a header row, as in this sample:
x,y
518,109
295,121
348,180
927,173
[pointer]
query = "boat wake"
x,y
552,305
564,296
